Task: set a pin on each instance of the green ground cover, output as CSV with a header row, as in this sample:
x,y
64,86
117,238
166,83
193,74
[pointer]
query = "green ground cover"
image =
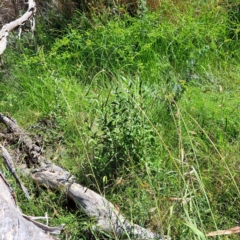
x,y
144,110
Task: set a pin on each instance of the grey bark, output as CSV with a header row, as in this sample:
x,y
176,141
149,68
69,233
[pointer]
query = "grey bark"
x,y
13,224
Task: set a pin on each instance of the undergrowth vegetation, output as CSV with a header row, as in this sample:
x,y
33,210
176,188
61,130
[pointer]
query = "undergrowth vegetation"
x,y
143,109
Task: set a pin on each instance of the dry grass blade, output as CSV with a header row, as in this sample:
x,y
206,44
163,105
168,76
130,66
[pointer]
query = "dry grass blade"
x,y
230,231
183,200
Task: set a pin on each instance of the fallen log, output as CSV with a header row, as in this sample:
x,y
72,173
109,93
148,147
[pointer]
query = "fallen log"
x,y
15,225
93,204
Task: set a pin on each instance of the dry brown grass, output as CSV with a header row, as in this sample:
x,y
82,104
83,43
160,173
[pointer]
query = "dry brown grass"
x,y
8,11
97,6
153,4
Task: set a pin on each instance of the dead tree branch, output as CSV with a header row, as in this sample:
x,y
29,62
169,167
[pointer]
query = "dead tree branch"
x,y
94,205
10,165
28,16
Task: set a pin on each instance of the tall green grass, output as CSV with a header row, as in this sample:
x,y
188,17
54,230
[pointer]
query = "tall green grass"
x,y
144,110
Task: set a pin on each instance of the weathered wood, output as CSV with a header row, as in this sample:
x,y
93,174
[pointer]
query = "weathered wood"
x,y
93,204
13,225
28,16
33,150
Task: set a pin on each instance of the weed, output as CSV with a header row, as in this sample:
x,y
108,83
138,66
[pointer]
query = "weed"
x,y
144,110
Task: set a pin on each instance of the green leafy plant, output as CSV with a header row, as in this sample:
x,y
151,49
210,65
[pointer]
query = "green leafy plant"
x,y
144,110
124,135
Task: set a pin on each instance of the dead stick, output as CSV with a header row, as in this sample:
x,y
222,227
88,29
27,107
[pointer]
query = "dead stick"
x,y
9,162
